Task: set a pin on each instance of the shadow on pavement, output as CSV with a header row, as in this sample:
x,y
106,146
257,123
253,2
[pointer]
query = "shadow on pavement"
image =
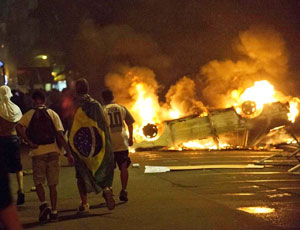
x,y
103,205
65,218
96,206
73,216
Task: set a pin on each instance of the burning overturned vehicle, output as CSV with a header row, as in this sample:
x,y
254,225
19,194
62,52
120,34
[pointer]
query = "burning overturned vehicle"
x,y
223,128
258,122
229,103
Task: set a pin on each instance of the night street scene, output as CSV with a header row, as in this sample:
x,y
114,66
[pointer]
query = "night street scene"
x,y
162,114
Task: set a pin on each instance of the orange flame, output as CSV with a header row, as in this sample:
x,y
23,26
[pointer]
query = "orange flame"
x,y
174,113
144,105
144,108
261,93
148,111
294,112
204,144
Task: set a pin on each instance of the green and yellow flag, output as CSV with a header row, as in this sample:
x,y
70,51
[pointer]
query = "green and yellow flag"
x,y
91,145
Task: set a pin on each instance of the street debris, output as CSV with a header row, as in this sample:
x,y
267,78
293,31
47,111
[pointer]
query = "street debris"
x,y
135,165
162,169
295,154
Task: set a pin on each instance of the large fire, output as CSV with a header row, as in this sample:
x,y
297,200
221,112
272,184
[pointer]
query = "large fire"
x,y
261,93
144,108
239,83
294,112
248,102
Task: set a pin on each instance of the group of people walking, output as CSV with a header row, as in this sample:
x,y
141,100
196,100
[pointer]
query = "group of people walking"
x,y
95,143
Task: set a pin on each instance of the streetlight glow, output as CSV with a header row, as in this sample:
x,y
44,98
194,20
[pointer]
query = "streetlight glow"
x,y
44,57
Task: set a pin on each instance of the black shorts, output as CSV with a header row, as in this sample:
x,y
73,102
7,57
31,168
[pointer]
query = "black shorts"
x,y
121,157
10,153
5,194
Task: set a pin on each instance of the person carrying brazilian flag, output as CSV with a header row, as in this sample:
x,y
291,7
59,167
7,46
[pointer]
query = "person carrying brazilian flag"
x,y
91,148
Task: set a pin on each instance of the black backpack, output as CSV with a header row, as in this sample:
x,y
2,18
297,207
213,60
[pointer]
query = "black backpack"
x,y
41,130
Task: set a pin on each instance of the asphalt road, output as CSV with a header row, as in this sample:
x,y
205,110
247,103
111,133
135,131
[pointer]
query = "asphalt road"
x,y
265,198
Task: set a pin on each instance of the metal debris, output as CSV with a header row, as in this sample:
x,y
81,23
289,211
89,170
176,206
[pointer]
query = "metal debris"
x,y
161,169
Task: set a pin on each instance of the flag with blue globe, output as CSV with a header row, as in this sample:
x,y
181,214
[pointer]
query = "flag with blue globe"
x,y
91,145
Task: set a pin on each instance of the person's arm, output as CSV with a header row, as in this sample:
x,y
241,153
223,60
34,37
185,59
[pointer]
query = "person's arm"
x,y
130,130
22,132
61,139
129,120
8,212
9,217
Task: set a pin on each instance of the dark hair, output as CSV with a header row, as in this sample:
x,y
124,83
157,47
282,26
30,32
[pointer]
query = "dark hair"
x,y
82,86
38,94
107,96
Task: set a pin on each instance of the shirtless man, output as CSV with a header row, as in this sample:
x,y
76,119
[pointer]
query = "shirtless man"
x,y
10,114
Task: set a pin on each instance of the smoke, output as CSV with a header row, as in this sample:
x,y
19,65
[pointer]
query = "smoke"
x,y
276,137
121,59
104,49
131,60
136,88
182,97
159,42
123,82
262,57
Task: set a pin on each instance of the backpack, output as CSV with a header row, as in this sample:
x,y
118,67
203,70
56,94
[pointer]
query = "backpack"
x,y
41,130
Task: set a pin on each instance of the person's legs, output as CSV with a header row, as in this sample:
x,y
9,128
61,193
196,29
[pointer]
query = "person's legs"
x,y
82,191
39,175
124,175
44,208
53,196
39,164
84,206
123,161
79,171
52,172
40,193
124,179
12,158
21,195
19,176
53,199
108,196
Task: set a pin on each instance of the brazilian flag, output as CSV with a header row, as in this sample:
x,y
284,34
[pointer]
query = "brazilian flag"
x,y
91,145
